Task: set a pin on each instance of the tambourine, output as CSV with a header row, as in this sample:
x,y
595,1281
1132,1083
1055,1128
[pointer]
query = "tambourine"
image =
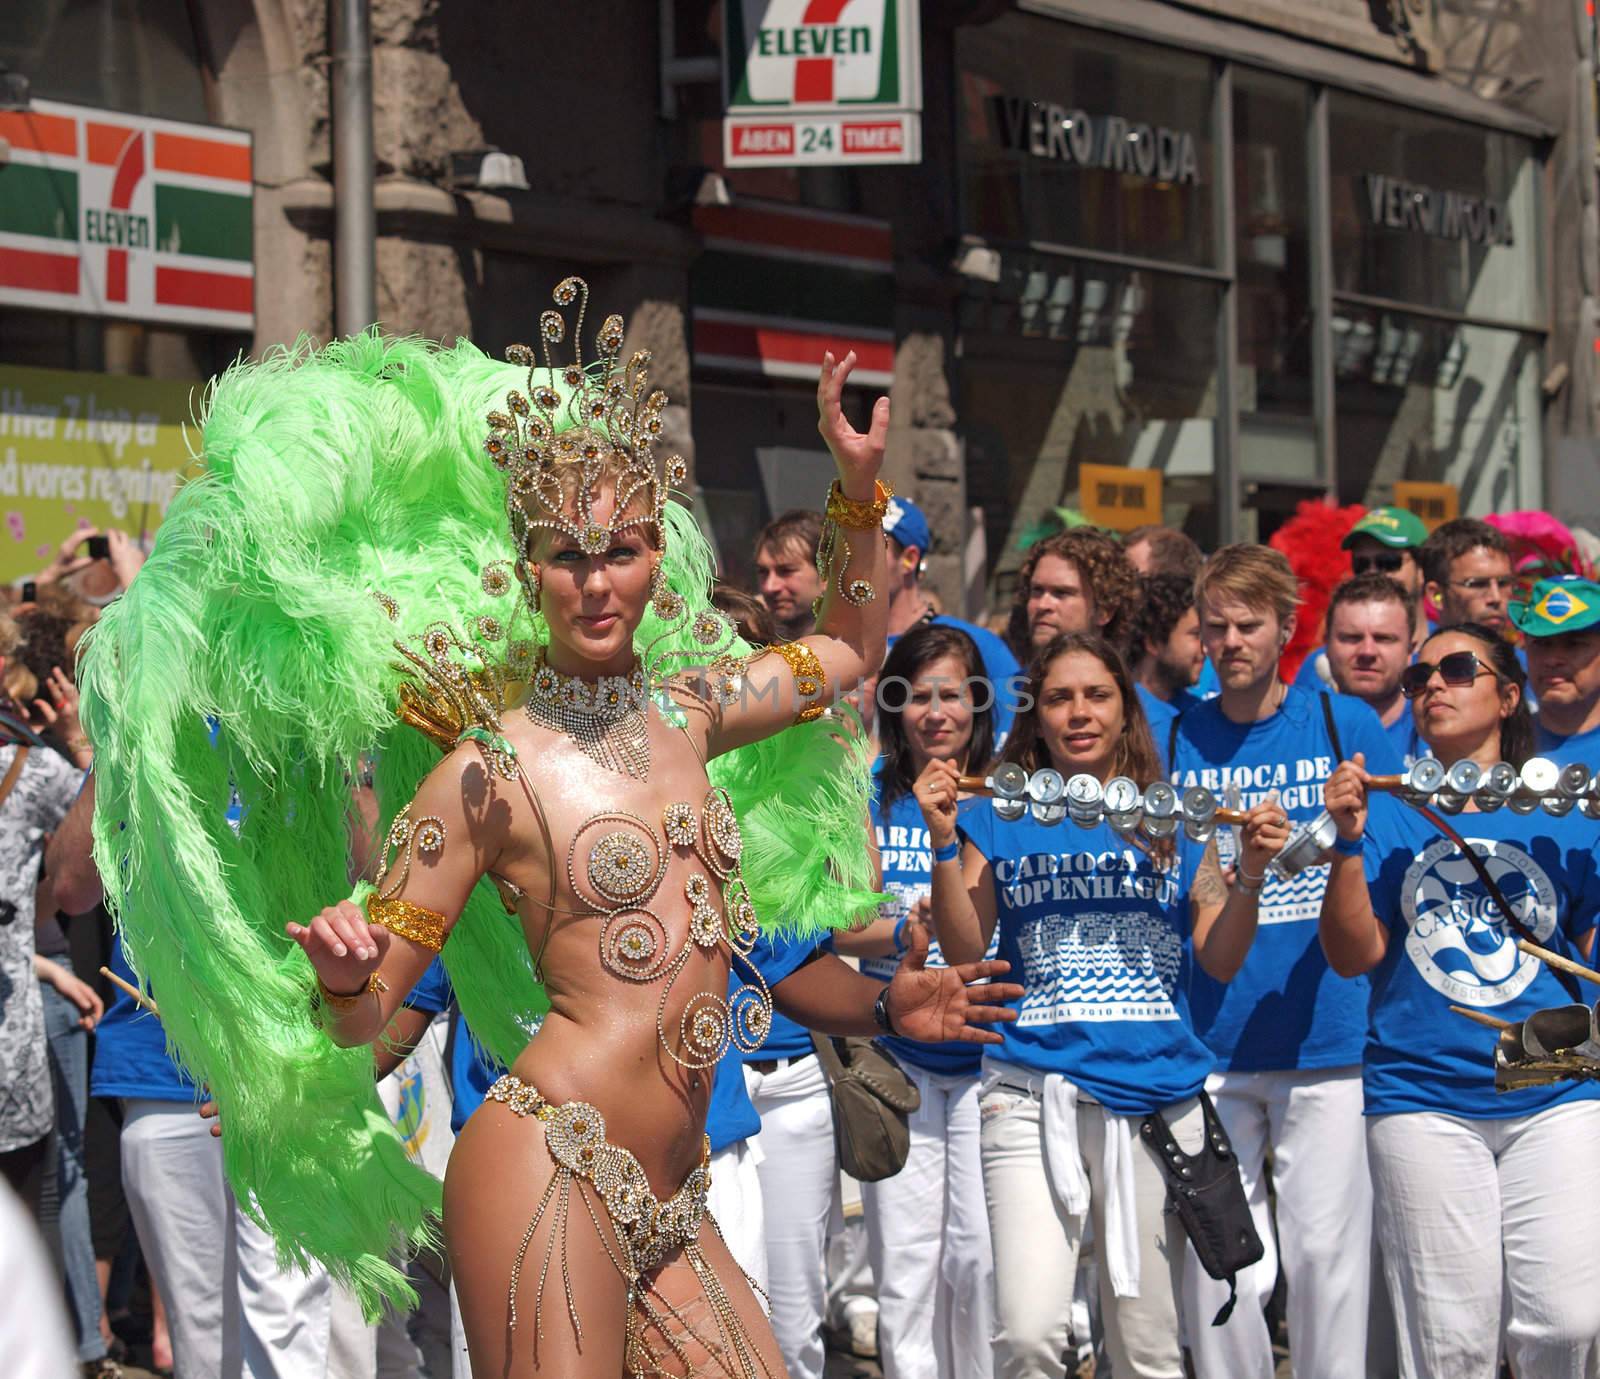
x,y
1160,809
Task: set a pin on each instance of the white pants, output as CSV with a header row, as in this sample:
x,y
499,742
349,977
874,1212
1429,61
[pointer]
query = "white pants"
x,y
928,1240
798,1172
1036,1241
231,1311
736,1205
851,1291
1312,1123
1491,1228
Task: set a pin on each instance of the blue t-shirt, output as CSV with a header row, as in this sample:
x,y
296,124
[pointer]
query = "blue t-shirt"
x,y
999,666
781,956
1448,945
1207,686
732,1117
1162,716
907,854
130,1049
1097,933
1403,736
1315,673
1286,1008
1579,747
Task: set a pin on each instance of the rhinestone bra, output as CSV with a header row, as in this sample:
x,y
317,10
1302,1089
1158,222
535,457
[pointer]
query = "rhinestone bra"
x,y
615,866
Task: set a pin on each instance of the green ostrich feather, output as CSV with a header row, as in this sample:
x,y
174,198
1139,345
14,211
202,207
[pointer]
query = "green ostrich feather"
x,y
252,659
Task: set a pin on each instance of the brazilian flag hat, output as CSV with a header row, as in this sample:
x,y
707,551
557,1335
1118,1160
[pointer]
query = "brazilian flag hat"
x,y
1554,606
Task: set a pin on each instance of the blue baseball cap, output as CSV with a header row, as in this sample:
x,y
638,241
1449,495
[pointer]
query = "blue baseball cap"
x,y
904,521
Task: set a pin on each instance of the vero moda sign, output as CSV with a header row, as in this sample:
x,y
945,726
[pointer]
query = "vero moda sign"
x,y
108,214
822,82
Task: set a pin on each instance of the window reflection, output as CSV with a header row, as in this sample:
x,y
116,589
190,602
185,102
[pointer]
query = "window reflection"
x,y
1066,363
1438,401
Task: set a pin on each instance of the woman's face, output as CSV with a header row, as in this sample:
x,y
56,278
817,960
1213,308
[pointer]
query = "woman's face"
x,y
594,604
1080,714
1455,719
937,717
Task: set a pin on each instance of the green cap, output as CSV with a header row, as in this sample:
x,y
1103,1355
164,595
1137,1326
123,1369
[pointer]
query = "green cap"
x,y
1392,526
1554,606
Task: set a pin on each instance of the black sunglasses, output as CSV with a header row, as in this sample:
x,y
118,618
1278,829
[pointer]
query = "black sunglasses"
x,y
1455,668
1387,561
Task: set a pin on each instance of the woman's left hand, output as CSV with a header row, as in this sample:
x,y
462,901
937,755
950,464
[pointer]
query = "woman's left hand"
x,y
73,988
858,456
1265,831
935,1004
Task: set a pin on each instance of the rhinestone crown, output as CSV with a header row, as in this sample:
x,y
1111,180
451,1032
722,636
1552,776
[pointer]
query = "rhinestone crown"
x,y
606,422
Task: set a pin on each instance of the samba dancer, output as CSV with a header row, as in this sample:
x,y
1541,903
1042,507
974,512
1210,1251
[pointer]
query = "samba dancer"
x,y
574,1205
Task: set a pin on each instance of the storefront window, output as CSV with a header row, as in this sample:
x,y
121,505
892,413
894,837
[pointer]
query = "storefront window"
x,y
1066,362
1272,241
1084,140
1432,211
1436,401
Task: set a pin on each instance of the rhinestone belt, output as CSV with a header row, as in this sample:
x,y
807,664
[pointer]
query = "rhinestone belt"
x,y
576,1135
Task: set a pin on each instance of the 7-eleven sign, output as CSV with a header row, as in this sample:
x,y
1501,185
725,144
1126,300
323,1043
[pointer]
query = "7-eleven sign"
x,y
109,214
849,70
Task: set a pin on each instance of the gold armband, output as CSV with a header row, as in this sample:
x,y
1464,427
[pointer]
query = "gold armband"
x,y
847,512
422,926
810,680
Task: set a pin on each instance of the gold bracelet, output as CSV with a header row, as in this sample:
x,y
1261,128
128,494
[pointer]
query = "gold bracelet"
x,y
424,927
847,512
810,680
342,1001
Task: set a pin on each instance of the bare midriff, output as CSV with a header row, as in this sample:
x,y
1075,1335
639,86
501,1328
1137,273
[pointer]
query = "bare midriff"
x,y
622,947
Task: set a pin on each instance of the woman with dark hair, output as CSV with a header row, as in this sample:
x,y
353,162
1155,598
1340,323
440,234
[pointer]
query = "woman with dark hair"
x,y
1486,1244
927,1229
1104,927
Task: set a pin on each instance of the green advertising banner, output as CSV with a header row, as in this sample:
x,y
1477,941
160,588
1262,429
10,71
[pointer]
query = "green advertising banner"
x,y
86,450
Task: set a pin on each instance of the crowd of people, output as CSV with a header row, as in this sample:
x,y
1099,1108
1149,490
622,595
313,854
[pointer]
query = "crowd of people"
x,y
1182,1005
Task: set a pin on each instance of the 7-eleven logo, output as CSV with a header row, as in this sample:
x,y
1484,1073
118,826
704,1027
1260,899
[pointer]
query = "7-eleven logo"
x,y
113,214
815,52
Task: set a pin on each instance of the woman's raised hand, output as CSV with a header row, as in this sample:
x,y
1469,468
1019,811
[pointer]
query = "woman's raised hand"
x,y
344,949
858,456
1265,831
936,789
1345,797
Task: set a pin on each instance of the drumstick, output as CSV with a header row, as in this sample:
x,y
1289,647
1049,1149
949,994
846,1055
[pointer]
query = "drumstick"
x,y
133,991
1560,963
1491,1021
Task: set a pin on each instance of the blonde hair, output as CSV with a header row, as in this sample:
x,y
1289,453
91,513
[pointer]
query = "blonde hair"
x,y
1256,576
10,634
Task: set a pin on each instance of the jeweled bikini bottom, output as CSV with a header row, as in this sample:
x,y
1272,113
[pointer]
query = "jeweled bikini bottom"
x,y
647,1230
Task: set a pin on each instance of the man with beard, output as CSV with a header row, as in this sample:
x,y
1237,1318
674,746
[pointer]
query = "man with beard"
x,y
1287,1032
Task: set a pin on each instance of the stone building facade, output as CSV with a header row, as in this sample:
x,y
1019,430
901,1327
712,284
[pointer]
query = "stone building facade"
x,y
1017,341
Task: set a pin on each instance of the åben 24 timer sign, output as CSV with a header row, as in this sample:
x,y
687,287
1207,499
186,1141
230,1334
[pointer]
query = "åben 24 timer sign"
x,y
822,82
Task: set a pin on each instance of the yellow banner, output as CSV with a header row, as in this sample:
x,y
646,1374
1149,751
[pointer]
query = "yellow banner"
x,y
1110,495
85,450
1433,503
